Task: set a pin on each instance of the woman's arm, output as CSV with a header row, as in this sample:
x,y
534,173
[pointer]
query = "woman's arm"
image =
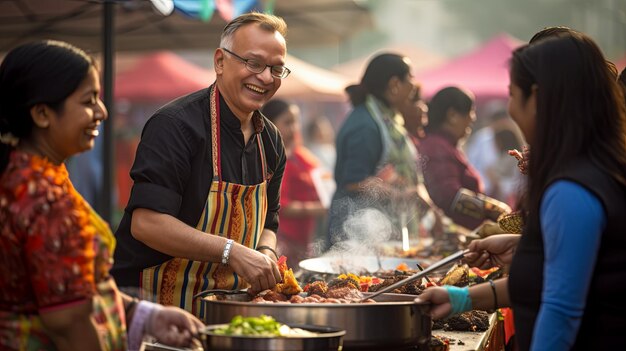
x,y
482,296
572,224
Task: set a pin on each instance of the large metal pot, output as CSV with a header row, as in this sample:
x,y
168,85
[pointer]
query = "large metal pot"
x,y
394,321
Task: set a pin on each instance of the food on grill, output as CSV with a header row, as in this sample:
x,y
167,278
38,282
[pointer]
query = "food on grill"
x,y
457,276
439,343
346,292
345,286
402,267
262,326
474,321
412,288
477,275
344,289
272,296
345,280
290,285
368,281
318,287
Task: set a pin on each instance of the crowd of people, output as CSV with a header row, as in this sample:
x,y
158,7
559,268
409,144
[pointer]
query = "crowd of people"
x,y
216,169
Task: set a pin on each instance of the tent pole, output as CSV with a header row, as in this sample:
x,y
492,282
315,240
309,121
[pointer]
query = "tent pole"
x,y
107,189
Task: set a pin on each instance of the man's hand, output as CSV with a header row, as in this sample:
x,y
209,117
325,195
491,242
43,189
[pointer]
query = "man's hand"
x,y
259,270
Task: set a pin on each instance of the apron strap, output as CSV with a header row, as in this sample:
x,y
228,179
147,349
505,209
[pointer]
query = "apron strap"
x,y
214,102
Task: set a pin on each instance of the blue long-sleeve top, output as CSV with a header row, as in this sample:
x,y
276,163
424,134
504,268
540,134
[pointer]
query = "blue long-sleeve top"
x,y
572,222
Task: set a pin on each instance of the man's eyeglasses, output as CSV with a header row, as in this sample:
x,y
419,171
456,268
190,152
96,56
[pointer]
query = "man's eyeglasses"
x,y
255,66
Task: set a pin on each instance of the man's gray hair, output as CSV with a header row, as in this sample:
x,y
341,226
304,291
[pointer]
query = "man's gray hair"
x,y
270,23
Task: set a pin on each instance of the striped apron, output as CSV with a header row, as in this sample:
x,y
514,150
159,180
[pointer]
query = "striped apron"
x,y
233,211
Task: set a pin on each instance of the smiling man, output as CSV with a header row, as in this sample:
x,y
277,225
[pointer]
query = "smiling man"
x,y
203,211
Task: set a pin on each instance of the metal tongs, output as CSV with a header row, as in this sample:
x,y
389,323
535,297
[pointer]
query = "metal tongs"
x,y
455,256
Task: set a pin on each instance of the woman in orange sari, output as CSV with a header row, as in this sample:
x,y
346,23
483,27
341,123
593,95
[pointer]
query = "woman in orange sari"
x,y
55,251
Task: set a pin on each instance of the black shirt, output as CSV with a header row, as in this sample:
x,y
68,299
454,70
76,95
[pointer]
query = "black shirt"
x,y
172,172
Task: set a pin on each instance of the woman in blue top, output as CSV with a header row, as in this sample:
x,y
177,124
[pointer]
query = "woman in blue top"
x,y
567,280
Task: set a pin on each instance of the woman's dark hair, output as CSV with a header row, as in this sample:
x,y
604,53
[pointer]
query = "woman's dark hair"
x,y
44,72
376,77
580,110
447,98
274,108
622,80
559,32
552,32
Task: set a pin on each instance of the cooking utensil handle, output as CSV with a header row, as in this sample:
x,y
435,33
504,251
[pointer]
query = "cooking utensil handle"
x,y
455,256
217,291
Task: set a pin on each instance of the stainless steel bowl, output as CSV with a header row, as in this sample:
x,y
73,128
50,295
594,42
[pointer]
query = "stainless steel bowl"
x,y
327,339
394,321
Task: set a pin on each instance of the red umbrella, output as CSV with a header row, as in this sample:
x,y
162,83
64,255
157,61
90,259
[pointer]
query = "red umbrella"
x,y
484,71
161,76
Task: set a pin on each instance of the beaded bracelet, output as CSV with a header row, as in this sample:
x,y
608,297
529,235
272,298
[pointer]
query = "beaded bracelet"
x,y
265,247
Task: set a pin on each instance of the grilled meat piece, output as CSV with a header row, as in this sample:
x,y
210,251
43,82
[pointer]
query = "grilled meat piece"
x,y
386,283
318,287
340,283
467,321
274,296
413,288
347,292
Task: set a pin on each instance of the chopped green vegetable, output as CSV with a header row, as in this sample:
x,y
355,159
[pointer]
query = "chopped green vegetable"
x,y
251,326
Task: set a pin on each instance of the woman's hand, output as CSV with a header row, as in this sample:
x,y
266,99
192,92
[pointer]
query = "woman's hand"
x,y
173,326
258,269
440,302
522,158
494,250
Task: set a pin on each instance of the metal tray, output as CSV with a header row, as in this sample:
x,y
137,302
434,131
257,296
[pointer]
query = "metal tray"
x,y
358,265
327,339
